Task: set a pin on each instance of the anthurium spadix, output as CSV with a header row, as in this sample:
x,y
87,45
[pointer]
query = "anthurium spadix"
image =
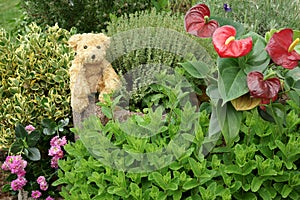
x,y
281,49
197,22
227,46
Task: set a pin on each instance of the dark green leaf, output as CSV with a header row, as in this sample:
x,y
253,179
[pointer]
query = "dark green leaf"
x,y
229,121
33,153
232,81
33,138
50,126
6,188
20,131
17,146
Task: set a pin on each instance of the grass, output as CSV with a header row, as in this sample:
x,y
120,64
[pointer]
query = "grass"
x,y
260,15
9,13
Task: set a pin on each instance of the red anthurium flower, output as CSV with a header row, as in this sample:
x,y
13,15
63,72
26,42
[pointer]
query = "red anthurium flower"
x,y
226,45
281,49
196,21
265,89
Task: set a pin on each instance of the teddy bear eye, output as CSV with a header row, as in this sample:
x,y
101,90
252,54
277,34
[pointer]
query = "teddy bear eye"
x,y
98,47
85,47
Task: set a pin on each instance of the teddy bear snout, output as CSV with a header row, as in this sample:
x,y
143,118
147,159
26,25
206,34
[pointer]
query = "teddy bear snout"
x,y
93,56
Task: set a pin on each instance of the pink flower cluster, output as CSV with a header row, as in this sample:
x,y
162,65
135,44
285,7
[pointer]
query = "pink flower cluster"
x,y
16,165
55,150
35,194
41,180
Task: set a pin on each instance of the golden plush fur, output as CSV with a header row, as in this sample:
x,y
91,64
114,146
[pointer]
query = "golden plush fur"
x,y
90,71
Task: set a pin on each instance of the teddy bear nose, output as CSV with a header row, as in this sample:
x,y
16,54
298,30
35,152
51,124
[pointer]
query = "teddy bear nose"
x,y
93,57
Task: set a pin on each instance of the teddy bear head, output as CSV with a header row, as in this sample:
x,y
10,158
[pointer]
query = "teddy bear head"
x,y
90,48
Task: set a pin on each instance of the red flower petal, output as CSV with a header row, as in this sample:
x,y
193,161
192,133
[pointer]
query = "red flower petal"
x,y
235,48
195,23
260,88
278,47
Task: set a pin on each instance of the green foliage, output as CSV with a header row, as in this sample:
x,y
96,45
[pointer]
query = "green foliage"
x,y
264,164
34,78
85,15
259,16
150,38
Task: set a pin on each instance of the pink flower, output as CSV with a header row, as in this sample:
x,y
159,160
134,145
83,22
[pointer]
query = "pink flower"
x,y
36,194
5,166
56,141
41,179
49,198
18,184
44,186
54,150
54,162
29,128
15,164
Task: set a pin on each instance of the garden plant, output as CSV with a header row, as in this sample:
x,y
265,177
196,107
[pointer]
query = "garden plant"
x,y
215,99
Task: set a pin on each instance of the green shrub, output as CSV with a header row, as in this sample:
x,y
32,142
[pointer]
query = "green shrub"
x,y
263,163
85,15
34,78
152,38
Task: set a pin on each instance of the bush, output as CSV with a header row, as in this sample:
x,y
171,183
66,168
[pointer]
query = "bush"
x,y
262,164
34,77
85,15
148,38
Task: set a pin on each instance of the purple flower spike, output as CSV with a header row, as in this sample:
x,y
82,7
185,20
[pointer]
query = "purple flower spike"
x,y
227,8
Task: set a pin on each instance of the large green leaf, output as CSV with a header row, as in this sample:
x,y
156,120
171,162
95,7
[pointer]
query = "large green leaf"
x,y
232,82
258,58
33,153
229,121
197,69
20,131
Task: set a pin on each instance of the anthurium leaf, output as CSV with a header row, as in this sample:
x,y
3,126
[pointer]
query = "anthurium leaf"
x,y
230,122
33,153
258,58
245,102
197,69
232,81
225,21
20,131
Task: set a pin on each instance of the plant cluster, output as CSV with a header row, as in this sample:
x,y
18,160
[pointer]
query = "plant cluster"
x,y
85,15
34,78
32,158
136,45
252,71
263,164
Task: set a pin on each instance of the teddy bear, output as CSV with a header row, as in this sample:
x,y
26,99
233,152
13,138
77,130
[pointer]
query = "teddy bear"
x,y
90,72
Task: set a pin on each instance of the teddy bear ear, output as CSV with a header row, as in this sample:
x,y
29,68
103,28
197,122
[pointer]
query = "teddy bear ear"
x,y
73,41
106,40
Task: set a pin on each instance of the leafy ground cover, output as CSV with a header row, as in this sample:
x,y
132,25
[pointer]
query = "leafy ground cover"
x,y
264,163
9,13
